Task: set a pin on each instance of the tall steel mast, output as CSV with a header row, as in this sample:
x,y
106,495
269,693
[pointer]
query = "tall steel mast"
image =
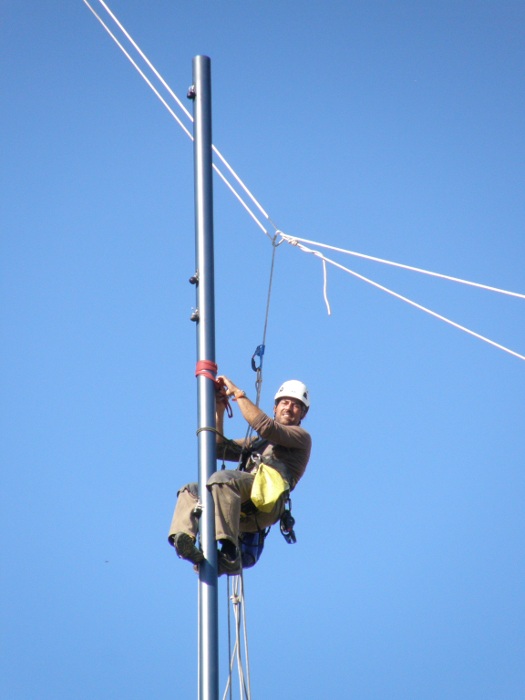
x,y
200,92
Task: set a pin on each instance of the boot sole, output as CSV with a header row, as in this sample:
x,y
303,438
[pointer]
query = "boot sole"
x,y
186,549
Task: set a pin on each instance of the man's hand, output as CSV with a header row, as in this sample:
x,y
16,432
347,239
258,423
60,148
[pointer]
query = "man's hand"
x,y
230,388
221,396
248,409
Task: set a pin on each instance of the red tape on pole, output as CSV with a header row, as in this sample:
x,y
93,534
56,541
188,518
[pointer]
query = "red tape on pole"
x,y
208,369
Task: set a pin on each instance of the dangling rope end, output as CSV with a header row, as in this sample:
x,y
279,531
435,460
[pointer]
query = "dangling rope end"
x,y
325,283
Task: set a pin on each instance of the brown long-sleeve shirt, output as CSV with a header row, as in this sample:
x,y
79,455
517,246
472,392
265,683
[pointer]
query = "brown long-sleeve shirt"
x,y
288,448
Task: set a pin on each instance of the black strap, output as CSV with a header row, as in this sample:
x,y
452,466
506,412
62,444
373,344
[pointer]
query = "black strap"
x,y
256,446
287,523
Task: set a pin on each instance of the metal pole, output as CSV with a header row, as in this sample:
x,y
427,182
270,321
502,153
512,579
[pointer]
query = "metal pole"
x,y
208,585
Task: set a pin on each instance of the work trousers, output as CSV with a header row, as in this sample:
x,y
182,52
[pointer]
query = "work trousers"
x,y
234,512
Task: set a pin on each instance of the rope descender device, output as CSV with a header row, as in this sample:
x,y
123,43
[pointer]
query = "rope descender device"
x,y
259,352
208,369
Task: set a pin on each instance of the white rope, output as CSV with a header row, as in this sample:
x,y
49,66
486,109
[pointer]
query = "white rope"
x,y
239,612
174,115
144,57
325,286
241,183
248,691
139,70
290,239
317,254
241,200
181,105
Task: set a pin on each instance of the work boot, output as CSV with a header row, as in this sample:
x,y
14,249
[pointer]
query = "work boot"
x,y
225,565
229,559
185,547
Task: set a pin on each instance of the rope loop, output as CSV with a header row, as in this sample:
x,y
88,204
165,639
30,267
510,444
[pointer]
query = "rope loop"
x,y
275,242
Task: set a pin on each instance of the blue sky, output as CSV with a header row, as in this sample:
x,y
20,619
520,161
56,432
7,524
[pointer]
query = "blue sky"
x,y
392,129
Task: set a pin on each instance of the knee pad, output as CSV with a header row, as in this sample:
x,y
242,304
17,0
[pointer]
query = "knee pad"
x,y
193,488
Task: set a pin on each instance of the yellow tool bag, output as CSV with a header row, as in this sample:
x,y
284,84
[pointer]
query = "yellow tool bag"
x,y
268,486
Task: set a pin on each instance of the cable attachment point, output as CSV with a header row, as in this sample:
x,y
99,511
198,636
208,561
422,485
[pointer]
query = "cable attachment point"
x,y
194,279
197,511
192,93
194,315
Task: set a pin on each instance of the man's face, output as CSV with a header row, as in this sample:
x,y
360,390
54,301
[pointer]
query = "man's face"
x,y
289,411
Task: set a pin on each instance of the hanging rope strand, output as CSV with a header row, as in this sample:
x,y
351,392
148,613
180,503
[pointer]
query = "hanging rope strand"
x,y
275,245
245,638
236,602
229,682
260,350
258,383
244,678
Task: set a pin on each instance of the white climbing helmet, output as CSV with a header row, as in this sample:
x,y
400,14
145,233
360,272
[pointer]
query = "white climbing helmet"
x,y
294,389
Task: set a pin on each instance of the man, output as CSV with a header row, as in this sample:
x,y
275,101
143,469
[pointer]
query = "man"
x,y
282,444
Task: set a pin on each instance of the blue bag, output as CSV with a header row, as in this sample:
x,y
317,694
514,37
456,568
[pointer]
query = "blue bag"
x,y
251,545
